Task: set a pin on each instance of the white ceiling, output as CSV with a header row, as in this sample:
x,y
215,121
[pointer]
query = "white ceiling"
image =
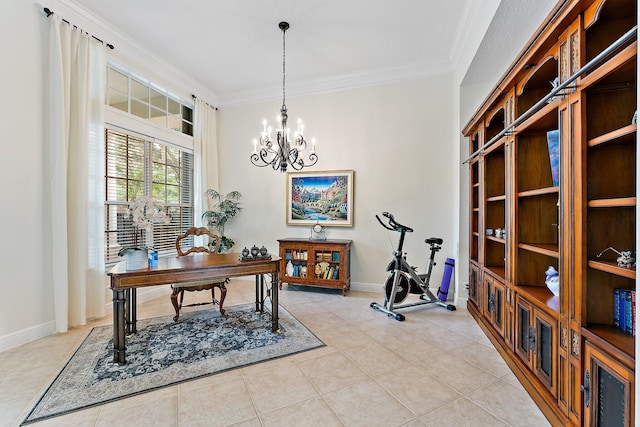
x,y
234,47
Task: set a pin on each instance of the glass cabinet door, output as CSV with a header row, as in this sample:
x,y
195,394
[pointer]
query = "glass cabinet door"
x,y
545,349
523,330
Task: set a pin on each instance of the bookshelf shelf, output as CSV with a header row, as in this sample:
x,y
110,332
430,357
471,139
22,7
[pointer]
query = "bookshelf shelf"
x,y
613,268
610,335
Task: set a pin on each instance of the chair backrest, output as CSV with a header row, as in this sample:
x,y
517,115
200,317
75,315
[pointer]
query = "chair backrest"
x,y
198,231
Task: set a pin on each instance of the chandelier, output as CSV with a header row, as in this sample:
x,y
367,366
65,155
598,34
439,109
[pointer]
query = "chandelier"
x,y
286,149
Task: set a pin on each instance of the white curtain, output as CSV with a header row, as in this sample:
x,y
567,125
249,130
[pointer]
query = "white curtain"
x,y
205,149
74,156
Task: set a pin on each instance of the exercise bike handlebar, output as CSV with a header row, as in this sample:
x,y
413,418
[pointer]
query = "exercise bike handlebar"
x,y
393,224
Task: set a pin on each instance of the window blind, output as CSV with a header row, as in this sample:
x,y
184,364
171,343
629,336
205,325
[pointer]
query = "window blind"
x,y
138,166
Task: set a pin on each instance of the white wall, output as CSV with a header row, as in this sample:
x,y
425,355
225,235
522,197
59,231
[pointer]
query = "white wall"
x,y
26,292
396,137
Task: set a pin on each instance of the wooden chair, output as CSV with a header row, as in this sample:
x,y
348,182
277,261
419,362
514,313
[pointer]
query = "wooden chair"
x,y
179,288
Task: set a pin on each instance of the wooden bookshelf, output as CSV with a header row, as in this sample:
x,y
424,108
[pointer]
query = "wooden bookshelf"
x,y
565,219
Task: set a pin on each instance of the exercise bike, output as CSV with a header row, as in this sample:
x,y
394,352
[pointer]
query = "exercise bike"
x,y
403,278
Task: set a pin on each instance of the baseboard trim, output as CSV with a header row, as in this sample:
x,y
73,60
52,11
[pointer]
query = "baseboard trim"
x,y
377,288
366,287
36,332
25,336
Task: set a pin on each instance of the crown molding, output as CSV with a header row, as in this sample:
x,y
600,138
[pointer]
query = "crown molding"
x,y
410,71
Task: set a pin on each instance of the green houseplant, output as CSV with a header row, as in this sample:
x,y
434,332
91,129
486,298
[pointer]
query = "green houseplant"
x,y
224,207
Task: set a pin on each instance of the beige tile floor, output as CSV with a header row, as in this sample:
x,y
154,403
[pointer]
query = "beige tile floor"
x,y
434,369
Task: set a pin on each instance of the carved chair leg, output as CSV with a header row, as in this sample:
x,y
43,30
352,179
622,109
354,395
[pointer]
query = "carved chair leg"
x,y
174,301
213,295
223,295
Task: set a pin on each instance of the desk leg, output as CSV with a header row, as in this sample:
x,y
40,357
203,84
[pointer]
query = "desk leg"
x,y
119,327
131,305
275,327
258,293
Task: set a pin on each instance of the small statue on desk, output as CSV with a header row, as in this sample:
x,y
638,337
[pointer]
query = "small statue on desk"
x,y
254,254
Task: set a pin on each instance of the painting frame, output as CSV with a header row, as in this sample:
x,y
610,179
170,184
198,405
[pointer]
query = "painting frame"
x,y
328,198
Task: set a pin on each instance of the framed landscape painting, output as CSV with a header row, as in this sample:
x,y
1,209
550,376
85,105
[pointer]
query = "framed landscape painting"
x,y
324,198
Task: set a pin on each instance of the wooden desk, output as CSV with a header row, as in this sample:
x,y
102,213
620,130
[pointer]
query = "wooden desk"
x,y
178,270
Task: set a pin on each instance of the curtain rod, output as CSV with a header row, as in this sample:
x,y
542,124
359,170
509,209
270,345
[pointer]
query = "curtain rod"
x,y
49,12
590,65
212,106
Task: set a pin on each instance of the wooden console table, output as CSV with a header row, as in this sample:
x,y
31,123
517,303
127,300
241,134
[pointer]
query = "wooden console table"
x,y
178,270
322,263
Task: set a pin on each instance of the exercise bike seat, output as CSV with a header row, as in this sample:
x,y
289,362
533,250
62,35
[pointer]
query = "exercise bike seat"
x,y
433,241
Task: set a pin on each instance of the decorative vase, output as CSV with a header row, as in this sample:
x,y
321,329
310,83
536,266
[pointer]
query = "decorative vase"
x,y
137,259
263,251
290,269
553,280
245,252
255,251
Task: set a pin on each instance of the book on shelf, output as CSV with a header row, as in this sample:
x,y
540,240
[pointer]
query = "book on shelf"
x,y
624,310
300,255
328,273
628,312
616,308
554,158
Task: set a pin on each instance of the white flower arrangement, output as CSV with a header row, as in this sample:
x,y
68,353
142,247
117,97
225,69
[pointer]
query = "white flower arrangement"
x,y
145,212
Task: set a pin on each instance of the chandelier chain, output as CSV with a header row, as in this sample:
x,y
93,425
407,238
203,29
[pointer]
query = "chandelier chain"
x,y
283,66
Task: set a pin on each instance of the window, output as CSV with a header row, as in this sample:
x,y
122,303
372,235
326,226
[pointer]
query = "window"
x,y
135,166
139,97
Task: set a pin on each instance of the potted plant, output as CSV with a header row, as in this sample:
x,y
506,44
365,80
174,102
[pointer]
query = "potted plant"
x,y
144,212
224,207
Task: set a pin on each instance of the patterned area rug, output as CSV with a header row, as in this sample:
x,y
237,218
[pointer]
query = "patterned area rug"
x,y
164,353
